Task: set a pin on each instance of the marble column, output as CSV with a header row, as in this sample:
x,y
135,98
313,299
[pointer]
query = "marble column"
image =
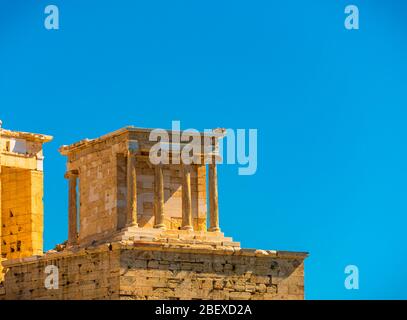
x,y
186,198
72,177
131,190
159,197
213,197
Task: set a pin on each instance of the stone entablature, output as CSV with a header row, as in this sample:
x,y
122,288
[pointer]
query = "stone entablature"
x,y
22,150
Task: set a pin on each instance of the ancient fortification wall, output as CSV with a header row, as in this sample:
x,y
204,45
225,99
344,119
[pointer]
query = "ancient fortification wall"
x,y
86,274
153,272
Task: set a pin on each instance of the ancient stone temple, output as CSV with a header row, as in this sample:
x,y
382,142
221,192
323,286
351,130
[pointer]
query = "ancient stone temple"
x,y
115,192
144,228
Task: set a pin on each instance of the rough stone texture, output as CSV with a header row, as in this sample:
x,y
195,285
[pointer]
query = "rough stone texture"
x,y
147,271
85,274
21,192
102,167
113,257
214,275
22,213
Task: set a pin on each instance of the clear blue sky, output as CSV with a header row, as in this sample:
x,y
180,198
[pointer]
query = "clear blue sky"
x,y
329,105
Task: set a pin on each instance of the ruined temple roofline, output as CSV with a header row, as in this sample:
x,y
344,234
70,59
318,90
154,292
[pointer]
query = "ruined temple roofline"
x,y
35,137
65,149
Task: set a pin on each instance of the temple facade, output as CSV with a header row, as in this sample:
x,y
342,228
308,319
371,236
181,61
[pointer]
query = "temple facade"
x,y
118,190
138,227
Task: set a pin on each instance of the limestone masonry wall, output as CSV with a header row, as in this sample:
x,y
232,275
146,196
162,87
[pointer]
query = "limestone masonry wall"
x,y
22,213
21,193
87,274
102,186
153,272
183,275
97,191
137,229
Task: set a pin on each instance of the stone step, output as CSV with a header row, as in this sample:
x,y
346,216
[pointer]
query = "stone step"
x,y
175,237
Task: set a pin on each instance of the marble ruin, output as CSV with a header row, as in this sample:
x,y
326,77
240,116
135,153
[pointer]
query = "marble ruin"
x,y
136,230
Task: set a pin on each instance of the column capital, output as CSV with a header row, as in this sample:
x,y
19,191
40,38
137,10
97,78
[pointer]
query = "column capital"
x,y
133,147
71,174
212,158
187,167
157,161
